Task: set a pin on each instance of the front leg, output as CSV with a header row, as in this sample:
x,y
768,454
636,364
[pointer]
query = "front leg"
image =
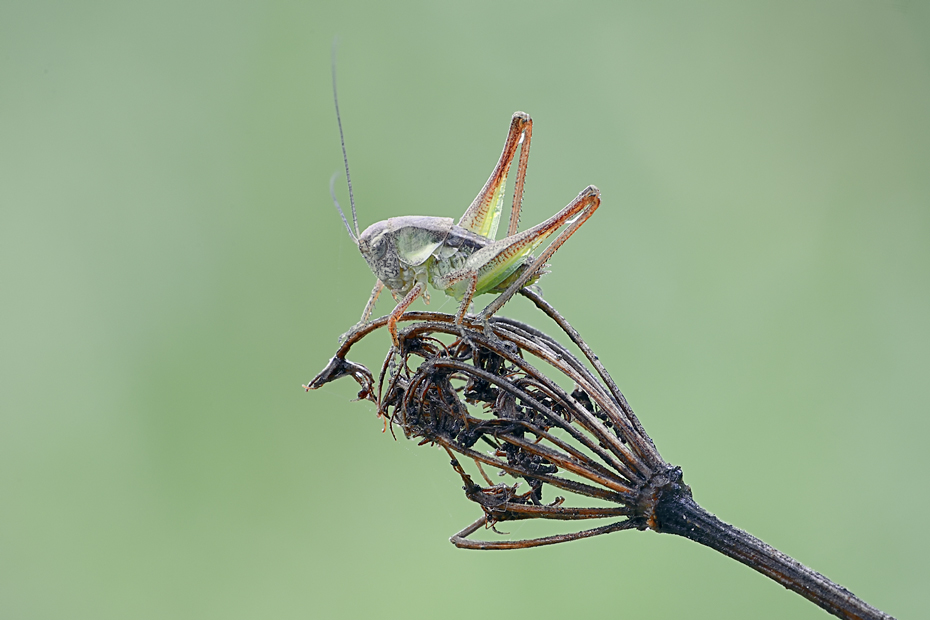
x,y
369,308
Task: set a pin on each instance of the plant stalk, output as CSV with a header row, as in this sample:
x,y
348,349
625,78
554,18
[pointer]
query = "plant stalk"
x,y
676,512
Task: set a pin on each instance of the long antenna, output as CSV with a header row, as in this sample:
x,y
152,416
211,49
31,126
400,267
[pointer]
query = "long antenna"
x,y
345,158
332,192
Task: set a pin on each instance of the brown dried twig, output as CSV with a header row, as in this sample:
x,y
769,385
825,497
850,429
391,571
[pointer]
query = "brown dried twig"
x,y
458,386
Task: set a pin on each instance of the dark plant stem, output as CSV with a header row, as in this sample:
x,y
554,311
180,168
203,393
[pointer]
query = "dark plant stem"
x,y
676,512
540,432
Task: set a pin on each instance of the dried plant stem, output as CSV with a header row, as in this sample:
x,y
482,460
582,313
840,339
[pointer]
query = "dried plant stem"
x,y
549,438
681,515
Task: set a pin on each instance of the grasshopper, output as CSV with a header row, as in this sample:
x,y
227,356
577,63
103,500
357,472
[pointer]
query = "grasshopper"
x,y
463,260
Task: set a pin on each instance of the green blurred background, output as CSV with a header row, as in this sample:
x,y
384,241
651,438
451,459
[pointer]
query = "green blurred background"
x,y
172,269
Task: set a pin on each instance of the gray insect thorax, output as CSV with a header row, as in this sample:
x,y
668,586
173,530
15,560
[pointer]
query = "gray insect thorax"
x,y
402,251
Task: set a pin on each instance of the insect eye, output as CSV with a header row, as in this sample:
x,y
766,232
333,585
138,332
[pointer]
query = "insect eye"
x,y
379,247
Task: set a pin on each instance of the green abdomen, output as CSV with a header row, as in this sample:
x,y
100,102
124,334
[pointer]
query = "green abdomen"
x,y
452,256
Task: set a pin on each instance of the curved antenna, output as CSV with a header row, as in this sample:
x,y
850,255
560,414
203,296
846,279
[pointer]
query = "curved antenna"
x,y
332,192
345,158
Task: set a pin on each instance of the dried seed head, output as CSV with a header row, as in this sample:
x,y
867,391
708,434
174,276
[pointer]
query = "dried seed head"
x,y
480,393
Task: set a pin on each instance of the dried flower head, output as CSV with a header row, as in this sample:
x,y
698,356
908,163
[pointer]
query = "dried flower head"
x,y
492,393
482,386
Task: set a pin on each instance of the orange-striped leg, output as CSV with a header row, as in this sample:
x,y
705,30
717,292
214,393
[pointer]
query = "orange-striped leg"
x,y
521,177
483,215
575,214
399,310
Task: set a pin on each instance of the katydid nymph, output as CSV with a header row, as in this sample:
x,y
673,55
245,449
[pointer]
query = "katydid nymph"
x,y
463,260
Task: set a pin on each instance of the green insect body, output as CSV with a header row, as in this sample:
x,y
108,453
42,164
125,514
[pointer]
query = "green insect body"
x,y
409,254
404,251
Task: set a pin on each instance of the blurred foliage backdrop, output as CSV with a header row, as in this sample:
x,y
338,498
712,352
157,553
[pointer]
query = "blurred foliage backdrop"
x,y
172,269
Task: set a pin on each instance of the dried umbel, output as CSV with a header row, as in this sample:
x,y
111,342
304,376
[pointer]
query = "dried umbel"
x,y
478,390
